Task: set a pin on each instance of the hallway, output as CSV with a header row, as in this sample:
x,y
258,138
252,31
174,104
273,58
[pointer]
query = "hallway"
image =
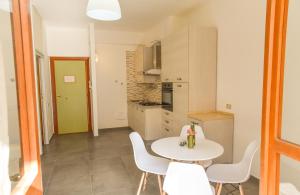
x,y
80,164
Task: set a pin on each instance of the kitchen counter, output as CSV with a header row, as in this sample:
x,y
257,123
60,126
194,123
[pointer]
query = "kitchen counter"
x,y
142,106
210,116
219,127
146,120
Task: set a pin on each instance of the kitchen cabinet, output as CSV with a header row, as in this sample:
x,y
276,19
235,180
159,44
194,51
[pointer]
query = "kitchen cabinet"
x,y
190,55
175,53
219,127
143,56
172,122
180,106
145,120
167,128
180,98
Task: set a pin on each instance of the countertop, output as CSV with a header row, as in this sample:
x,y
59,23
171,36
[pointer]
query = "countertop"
x,y
144,107
209,116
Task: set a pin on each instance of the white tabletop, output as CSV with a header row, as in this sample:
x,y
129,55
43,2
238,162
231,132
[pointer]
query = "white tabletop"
x,y
204,149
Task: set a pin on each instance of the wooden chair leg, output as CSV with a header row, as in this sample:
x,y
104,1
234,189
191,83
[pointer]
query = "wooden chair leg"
x,y
219,189
160,185
141,183
241,189
145,182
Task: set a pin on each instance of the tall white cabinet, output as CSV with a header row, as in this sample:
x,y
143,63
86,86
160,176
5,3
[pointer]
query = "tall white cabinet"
x,y
175,57
189,60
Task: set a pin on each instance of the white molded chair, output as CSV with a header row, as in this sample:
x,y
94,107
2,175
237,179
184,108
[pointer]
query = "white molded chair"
x,y
288,189
199,135
146,162
233,173
186,179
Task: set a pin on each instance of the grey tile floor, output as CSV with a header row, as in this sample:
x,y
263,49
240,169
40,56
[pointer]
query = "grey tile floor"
x,y
78,164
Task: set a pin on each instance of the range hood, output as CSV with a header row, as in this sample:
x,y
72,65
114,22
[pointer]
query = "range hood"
x,y
154,65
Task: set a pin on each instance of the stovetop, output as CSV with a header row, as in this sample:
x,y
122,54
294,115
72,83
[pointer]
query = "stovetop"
x,y
150,103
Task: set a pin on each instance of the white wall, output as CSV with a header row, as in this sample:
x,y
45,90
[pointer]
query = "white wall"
x,y
111,47
67,42
10,78
5,184
291,105
40,46
75,42
118,37
162,29
240,27
241,35
9,133
112,85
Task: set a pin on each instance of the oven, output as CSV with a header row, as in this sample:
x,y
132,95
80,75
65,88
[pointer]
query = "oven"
x,y
167,96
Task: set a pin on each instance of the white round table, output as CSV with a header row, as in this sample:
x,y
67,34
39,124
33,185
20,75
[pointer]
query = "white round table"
x,y
204,149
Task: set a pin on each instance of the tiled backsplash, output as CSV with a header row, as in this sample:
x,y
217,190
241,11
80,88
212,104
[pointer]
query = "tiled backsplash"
x,y
140,91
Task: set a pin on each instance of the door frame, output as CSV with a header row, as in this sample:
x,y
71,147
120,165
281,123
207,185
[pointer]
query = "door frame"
x,y
53,83
39,79
31,180
272,145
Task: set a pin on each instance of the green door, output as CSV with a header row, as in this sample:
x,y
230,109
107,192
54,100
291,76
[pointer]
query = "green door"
x,y
71,96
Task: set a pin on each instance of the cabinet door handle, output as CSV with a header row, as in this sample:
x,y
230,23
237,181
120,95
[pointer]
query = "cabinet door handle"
x,y
166,79
167,129
179,78
179,85
167,121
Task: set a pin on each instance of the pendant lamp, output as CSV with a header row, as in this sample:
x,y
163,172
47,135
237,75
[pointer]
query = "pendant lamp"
x,y
107,10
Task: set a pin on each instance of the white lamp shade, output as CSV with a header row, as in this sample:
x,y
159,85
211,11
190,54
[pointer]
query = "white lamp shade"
x,y
5,5
106,10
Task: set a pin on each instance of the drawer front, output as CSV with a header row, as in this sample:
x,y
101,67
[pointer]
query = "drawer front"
x,y
167,130
166,114
167,120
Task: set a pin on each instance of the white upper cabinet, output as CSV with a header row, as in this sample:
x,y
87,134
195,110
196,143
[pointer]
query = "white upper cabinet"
x,y
175,56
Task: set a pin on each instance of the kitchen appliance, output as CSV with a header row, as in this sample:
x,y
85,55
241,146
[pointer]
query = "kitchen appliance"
x,y
149,103
167,96
154,66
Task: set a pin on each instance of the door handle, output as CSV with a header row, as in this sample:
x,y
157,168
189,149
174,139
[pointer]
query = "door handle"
x,y
58,96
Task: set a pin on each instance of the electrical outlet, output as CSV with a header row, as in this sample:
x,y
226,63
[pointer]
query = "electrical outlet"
x,y
228,106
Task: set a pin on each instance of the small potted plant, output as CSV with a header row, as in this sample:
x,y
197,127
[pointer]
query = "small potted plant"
x,y
191,137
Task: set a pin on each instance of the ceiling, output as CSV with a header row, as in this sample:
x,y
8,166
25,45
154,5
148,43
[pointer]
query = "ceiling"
x,y
137,15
